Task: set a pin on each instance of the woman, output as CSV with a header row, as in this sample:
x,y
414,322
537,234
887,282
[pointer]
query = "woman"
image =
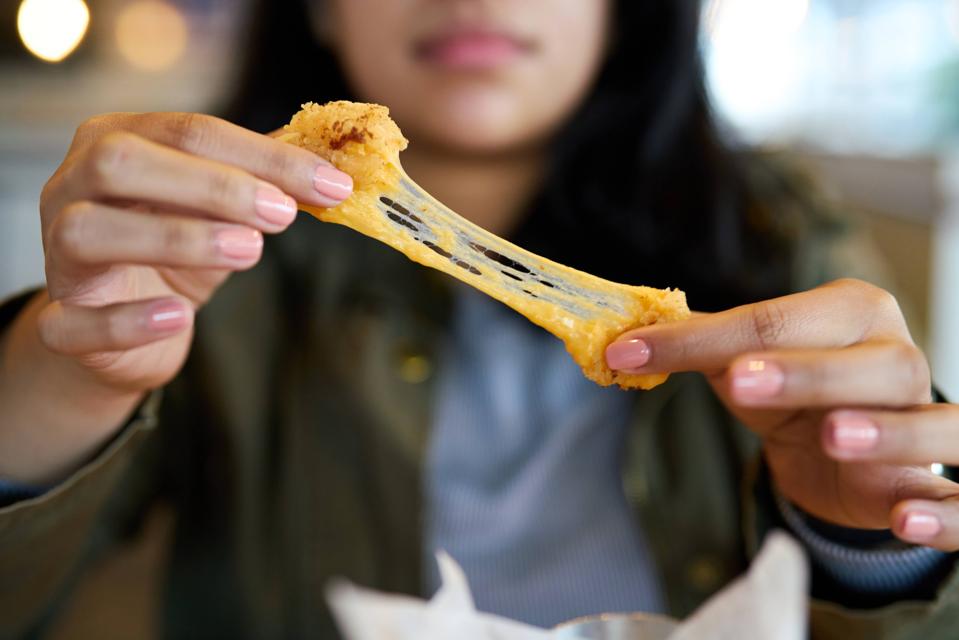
x,y
340,411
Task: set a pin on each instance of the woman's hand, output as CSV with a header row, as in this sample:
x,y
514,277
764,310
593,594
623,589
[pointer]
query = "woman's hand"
x,y
831,381
145,218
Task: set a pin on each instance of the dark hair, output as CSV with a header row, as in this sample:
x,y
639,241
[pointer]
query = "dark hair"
x,y
641,188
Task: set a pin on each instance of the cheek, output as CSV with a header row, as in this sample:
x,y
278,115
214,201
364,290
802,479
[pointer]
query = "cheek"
x,y
371,54
573,52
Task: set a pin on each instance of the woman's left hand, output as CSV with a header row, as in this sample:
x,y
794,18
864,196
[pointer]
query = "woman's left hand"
x,y
832,382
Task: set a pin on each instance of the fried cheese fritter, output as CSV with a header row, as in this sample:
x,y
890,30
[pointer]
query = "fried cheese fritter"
x,y
584,311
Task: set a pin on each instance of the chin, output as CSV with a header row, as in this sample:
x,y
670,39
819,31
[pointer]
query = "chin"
x,y
483,139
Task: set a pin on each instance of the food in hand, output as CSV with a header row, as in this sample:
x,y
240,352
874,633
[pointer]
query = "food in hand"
x,y
584,311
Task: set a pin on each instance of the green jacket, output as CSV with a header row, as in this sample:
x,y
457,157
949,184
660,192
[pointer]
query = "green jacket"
x,y
290,450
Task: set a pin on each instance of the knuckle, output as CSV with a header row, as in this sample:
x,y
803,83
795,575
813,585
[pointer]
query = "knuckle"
x,y
72,229
94,123
48,192
859,288
767,324
818,379
223,189
96,126
915,377
907,440
108,157
88,124
908,484
50,332
113,328
89,128
279,162
876,298
176,241
854,284
884,301
814,380
877,306
189,131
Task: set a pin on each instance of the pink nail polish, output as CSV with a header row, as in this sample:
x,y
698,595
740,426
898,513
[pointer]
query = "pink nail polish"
x,y
333,185
757,380
627,354
274,207
917,525
167,316
239,243
853,433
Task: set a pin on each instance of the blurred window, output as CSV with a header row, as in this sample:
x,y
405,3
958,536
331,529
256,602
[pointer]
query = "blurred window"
x,y
844,75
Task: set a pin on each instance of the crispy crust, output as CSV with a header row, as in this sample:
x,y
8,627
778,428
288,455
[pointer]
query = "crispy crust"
x,y
359,139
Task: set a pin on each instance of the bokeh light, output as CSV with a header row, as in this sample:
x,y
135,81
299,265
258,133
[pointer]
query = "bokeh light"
x,y
755,55
728,20
52,29
151,35
952,18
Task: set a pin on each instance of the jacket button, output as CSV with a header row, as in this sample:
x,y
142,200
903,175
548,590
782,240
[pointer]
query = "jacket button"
x,y
704,573
414,368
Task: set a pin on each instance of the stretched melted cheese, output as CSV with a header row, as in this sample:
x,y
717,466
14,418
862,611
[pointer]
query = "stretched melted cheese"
x,y
584,311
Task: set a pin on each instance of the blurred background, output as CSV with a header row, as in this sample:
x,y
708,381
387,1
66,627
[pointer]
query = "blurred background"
x,y
864,93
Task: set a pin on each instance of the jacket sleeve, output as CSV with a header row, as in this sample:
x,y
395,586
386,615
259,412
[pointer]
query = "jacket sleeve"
x,y
43,539
921,608
901,620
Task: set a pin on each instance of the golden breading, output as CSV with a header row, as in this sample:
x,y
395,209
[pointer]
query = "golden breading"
x,y
359,139
584,311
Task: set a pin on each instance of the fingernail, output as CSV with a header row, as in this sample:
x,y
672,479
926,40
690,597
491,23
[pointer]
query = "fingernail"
x,y
627,354
239,244
274,207
917,525
853,433
334,185
757,380
167,316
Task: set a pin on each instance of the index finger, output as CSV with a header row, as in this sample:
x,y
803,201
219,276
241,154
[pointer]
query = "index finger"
x,y
834,315
302,174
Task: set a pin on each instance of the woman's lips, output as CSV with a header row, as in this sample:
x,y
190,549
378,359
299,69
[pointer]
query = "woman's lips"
x,y
471,50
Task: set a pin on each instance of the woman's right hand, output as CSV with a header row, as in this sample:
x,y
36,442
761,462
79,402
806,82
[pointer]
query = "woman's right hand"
x,y
145,218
